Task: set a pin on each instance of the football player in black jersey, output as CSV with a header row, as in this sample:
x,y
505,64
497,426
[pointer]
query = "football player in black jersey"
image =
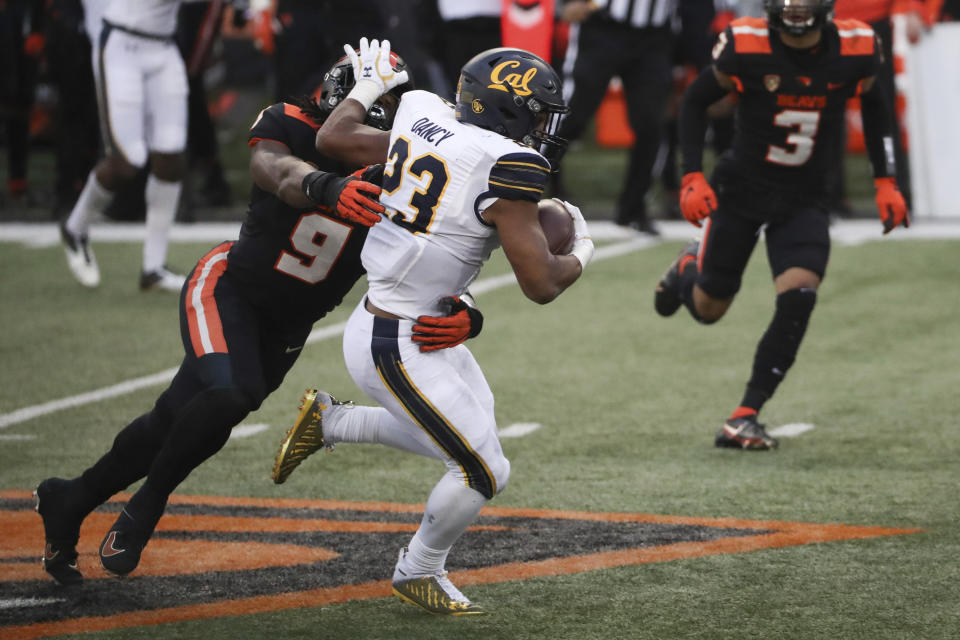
x,y
246,311
793,72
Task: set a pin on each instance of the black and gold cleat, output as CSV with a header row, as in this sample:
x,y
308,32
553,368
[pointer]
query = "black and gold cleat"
x,y
305,436
433,593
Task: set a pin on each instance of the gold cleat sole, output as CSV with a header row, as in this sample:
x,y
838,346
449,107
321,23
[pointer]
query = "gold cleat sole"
x,y
302,439
425,594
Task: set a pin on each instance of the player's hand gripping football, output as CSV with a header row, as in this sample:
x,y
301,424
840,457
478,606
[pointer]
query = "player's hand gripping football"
x,y
582,248
349,198
459,322
891,205
371,64
697,199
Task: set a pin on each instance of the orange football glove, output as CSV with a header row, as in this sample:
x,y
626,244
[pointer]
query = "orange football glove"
x,y
697,199
890,204
460,321
348,198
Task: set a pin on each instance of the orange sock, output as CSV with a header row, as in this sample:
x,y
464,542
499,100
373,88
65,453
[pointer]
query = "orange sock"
x,y
742,412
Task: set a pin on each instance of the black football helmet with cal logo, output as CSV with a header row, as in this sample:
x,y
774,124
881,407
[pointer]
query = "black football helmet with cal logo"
x,y
514,93
798,17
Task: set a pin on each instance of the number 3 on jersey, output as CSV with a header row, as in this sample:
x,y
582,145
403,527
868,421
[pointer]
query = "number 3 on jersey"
x,y
420,182
803,126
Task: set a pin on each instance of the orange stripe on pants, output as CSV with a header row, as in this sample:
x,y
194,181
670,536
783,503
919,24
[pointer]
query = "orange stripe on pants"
x,y
203,317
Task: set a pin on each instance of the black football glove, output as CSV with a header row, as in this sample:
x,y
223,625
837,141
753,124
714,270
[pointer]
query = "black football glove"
x,y
350,198
370,173
459,322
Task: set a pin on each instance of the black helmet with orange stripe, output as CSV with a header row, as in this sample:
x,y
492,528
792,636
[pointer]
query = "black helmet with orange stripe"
x,y
798,17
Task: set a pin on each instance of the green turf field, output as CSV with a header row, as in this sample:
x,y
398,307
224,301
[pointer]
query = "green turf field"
x,y
628,404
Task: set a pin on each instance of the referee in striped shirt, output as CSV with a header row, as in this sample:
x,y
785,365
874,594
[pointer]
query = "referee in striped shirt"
x,y
632,39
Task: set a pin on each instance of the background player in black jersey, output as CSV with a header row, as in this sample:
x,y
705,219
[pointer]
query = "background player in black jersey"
x,y
245,315
793,72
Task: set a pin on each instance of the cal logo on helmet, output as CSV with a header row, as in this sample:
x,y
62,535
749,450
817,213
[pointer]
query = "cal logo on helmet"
x,y
514,93
507,73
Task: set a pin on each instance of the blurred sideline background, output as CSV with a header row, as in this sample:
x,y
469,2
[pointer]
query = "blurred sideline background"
x,y
242,56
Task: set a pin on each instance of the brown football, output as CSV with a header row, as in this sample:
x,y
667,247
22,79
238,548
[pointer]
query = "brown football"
x,y
557,225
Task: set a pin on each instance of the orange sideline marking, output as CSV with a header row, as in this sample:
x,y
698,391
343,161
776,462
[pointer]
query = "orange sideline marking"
x,y
24,531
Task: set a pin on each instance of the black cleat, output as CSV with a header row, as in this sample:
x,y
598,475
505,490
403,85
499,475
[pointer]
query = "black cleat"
x,y
745,433
161,280
61,531
121,547
666,298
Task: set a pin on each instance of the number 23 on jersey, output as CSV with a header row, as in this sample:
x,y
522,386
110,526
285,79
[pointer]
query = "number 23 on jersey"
x,y
420,181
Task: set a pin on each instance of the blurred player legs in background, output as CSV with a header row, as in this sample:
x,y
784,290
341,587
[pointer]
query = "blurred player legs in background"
x,y
633,42
463,29
142,92
21,44
77,145
793,73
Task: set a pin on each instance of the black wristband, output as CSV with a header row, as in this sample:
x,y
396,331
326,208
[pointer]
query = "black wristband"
x,y
316,186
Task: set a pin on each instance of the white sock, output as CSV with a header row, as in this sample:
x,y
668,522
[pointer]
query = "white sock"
x,y
422,560
93,199
162,198
451,508
376,425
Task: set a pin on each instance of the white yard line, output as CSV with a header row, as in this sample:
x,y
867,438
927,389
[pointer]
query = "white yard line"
x,y
20,603
846,232
129,386
791,430
518,429
247,430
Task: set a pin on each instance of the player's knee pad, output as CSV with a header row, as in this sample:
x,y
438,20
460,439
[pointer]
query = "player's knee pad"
x,y
797,303
794,307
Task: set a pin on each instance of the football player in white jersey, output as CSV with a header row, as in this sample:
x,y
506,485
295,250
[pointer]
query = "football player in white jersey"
x,y
459,181
142,96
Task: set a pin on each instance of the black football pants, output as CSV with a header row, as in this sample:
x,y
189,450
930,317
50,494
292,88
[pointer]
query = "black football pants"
x,y
209,395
